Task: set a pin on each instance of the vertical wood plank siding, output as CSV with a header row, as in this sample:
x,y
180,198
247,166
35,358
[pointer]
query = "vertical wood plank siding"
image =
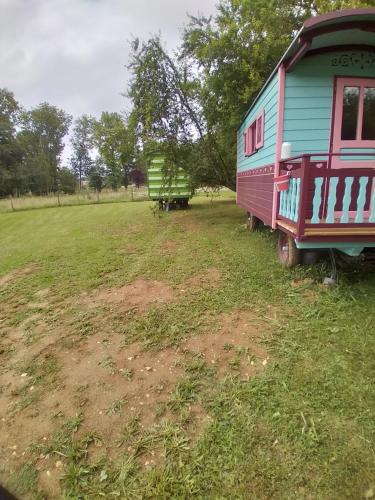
x,y
309,99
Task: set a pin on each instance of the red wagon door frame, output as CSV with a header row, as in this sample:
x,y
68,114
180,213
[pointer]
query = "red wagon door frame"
x,y
353,125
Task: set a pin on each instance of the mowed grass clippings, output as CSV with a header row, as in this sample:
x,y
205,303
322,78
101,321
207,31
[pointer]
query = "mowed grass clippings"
x,y
102,398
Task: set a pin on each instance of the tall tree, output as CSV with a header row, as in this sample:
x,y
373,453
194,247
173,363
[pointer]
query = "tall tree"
x,y
11,176
167,111
193,103
96,176
43,131
82,144
116,145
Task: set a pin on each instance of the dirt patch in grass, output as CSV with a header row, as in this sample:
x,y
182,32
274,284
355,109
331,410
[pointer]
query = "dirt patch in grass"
x,y
199,419
17,274
28,340
168,246
22,419
302,284
308,289
111,384
37,305
210,278
43,293
236,347
140,295
188,224
131,249
49,479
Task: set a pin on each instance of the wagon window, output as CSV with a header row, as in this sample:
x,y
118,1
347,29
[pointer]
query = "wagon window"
x,y
260,130
254,135
350,113
368,124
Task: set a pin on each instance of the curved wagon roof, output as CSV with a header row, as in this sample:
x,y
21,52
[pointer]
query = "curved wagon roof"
x,y
339,30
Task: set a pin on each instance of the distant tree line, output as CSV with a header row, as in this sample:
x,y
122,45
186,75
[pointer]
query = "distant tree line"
x,y
104,152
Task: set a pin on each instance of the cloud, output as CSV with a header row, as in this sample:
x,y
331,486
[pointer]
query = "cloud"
x,y
73,53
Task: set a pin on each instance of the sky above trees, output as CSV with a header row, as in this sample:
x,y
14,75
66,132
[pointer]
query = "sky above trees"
x,y
77,56
72,53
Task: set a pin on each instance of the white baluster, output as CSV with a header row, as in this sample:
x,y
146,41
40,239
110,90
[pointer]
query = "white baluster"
x,y
347,200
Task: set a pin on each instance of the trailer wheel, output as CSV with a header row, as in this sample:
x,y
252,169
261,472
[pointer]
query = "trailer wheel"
x,y
289,254
253,223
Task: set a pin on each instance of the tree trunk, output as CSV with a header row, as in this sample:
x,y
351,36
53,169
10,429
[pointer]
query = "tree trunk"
x,y
231,185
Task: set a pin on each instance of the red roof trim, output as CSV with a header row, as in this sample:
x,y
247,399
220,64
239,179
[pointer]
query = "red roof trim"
x,y
312,27
336,15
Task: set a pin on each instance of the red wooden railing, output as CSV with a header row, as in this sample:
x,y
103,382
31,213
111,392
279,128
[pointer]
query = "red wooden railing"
x,y
324,197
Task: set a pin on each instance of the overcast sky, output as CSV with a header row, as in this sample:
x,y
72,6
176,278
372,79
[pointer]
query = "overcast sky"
x,y
72,53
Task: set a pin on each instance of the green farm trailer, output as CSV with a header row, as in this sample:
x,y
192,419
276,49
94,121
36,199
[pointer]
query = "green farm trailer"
x,y
171,187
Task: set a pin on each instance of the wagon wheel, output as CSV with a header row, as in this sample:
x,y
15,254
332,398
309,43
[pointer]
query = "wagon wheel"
x,y
289,254
253,223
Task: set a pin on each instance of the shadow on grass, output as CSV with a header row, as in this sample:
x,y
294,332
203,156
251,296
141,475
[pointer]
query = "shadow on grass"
x,y
212,204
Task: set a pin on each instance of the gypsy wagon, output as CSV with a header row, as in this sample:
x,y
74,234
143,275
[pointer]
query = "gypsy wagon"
x,y
170,187
306,148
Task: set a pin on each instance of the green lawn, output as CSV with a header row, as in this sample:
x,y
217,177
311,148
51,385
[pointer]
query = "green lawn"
x,y
173,357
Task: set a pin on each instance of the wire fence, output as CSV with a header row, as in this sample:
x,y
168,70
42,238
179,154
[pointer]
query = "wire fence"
x,y
85,197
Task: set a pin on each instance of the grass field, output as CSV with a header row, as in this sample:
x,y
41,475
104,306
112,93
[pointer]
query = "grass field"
x,y
172,357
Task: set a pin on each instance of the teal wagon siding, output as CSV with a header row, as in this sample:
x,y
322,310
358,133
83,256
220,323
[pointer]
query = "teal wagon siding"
x,y
309,99
254,180
309,171
268,102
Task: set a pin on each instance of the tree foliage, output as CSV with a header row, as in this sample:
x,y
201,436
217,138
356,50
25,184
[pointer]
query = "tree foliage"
x,y
96,176
192,103
66,180
115,142
167,113
32,142
82,142
41,138
10,150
